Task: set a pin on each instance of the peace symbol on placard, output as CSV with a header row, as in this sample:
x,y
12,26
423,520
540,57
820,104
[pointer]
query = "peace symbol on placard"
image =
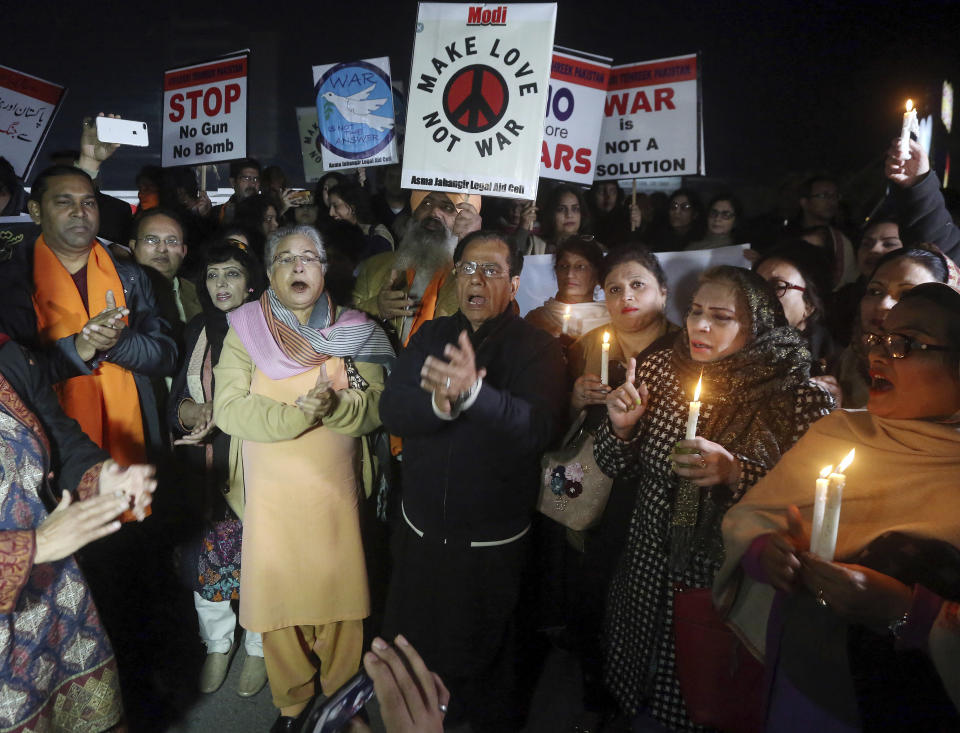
x,y
475,98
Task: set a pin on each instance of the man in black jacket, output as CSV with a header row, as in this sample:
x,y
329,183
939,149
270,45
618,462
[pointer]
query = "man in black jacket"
x,y
63,203
477,398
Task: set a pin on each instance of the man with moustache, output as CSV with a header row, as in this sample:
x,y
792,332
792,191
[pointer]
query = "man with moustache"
x,y
160,247
409,287
91,319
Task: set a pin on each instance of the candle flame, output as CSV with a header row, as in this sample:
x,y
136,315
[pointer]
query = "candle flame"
x,y
846,461
606,337
909,105
827,470
696,392
566,311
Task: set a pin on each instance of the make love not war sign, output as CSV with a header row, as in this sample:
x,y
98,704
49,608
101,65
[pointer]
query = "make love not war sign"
x,y
652,122
27,107
205,112
478,90
571,130
355,113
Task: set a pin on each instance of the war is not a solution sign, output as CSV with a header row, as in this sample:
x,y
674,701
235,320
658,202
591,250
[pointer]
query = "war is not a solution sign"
x,y
355,113
652,120
478,91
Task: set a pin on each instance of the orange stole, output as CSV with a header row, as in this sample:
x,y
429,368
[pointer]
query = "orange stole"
x,y
428,308
106,403
428,303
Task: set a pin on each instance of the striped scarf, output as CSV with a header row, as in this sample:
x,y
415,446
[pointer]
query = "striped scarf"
x,y
311,344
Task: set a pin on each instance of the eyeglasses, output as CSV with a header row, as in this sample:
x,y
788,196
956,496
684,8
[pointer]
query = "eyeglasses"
x,y
898,346
718,214
289,259
249,179
780,287
489,269
677,206
153,241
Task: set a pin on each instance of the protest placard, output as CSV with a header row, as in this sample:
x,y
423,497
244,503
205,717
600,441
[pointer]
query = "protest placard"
x,y
478,90
205,112
27,107
571,130
310,144
652,120
538,282
355,113
16,231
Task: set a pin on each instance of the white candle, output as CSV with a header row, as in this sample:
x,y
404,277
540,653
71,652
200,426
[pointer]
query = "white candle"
x,y
819,503
827,544
566,320
694,413
605,359
909,122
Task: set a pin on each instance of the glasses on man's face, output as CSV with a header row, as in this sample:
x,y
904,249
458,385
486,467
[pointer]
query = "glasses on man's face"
x,y
489,269
677,206
720,214
288,259
780,287
898,346
152,240
249,179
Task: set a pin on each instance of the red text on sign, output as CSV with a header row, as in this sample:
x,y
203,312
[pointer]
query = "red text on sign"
x,y
617,104
212,100
563,156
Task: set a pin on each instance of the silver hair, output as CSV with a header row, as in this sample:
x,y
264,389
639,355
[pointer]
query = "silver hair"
x,y
302,230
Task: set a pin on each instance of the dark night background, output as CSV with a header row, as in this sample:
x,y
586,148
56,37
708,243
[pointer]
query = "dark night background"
x,y
787,87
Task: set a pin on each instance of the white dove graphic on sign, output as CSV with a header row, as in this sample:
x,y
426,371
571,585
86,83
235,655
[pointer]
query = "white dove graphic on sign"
x,y
357,108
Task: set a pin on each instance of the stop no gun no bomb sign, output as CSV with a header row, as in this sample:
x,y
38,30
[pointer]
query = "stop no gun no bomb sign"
x,y
478,90
205,112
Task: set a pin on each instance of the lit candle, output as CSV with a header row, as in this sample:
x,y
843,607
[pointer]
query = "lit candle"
x,y
605,359
694,413
827,544
909,122
819,502
566,320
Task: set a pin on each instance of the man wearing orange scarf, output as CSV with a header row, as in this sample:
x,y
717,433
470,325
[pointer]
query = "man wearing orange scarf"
x,y
92,319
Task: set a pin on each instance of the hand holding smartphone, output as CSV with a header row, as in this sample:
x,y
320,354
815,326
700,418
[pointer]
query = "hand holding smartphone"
x,y
124,132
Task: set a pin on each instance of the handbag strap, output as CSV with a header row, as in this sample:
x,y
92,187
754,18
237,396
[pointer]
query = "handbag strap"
x,y
574,429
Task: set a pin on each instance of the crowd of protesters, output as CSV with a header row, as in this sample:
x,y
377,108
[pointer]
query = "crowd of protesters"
x,y
316,419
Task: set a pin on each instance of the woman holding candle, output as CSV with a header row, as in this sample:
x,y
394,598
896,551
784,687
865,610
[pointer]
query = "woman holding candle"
x,y
756,401
573,311
636,293
869,641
